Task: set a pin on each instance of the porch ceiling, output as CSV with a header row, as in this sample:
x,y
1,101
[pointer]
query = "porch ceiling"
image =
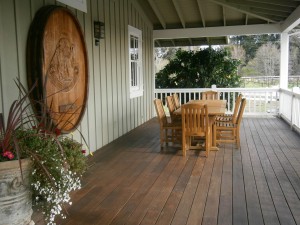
x,y
183,14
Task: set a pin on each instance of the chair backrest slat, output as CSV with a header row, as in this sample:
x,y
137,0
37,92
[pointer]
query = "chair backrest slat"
x,y
236,108
176,101
171,106
210,95
160,112
241,112
194,119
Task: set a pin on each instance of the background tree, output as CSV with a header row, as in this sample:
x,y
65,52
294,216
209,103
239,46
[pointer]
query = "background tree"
x,y
164,52
265,63
251,43
199,69
238,52
294,56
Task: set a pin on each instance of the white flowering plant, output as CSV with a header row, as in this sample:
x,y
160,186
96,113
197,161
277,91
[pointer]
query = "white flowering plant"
x,y
58,164
58,161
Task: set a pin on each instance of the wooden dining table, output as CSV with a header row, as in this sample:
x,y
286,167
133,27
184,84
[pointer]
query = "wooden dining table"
x,y
214,107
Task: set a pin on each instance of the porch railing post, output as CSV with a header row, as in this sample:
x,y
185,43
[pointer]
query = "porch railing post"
x,y
294,90
284,60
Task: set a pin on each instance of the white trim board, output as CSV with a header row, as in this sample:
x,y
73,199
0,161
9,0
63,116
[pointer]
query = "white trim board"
x,y
216,31
77,4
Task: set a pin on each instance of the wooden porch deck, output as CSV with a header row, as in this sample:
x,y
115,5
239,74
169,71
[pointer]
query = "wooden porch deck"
x,y
133,182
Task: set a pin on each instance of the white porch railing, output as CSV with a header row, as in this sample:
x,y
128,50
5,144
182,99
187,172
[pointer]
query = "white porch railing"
x,y
260,101
290,107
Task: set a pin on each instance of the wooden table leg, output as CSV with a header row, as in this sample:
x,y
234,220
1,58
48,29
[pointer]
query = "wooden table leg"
x,y
213,136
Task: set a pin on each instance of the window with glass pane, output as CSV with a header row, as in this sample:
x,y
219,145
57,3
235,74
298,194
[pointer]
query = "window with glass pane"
x,y
135,64
134,59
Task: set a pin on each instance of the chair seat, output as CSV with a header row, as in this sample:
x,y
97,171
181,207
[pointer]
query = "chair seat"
x,y
174,125
225,118
232,116
227,130
225,124
169,131
176,118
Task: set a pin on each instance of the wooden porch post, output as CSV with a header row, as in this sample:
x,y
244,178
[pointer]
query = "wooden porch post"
x,y
284,60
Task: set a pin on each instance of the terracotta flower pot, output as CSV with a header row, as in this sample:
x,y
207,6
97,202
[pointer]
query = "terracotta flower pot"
x,y
15,196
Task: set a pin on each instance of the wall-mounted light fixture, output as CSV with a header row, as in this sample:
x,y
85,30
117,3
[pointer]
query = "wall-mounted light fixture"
x,y
98,31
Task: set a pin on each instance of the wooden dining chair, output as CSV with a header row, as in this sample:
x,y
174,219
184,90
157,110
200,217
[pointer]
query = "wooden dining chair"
x,y
195,123
176,101
229,131
232,116
210,95
171,106
169,131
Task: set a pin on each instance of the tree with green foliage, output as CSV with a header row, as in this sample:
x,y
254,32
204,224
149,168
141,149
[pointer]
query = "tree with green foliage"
x,y
199,69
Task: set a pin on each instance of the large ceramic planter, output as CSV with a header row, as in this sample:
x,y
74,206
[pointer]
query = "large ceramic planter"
x,y
15,196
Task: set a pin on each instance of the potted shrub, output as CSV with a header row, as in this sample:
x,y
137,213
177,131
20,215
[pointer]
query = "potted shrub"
x,y
55,163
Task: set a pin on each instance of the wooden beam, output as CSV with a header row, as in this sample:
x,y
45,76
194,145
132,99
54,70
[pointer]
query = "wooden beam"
x,y
157,42
179,12
217,31
242,10
258,5
286,3
202,15
224,16
139,9
227,40
292,21
158,13
201,12
294,33
269,13
173,42
208,40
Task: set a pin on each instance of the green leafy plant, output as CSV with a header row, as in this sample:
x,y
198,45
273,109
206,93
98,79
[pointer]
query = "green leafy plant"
x,y
199,69
57,169
75,155
58,162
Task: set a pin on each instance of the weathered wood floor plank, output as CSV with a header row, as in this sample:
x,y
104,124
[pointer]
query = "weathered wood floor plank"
x,y
132,181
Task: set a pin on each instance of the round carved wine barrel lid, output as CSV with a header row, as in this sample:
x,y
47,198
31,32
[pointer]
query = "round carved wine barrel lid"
x,y
57,60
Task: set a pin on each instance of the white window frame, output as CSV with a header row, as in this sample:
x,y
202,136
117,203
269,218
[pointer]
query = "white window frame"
x,y
135,81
